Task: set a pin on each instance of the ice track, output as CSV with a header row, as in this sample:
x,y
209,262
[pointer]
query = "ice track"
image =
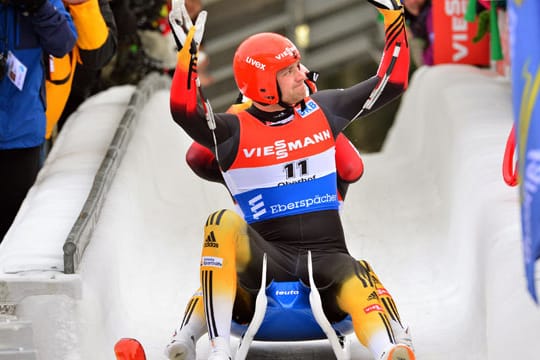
x,y
431,214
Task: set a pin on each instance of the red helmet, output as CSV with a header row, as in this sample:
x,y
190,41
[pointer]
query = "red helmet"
x,y
256,63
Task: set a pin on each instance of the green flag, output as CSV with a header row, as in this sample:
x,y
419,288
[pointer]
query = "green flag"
x,y
495,41
470,13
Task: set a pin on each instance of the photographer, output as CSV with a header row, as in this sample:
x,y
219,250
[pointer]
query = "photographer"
x,y
28,28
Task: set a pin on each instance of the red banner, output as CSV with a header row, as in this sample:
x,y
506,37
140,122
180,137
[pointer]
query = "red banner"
x,y
453,35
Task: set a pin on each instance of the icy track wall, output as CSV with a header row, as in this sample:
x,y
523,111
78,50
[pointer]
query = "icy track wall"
x,y
432,214
437,186
62,209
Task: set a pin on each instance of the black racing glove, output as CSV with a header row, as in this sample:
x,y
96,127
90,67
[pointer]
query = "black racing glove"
x,y
28,6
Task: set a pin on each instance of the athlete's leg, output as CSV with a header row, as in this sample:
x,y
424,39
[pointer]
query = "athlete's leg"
x,y
232,254
193,326
227,237
226,248
401,331
359,296
182,345
351,287
226,251
224,232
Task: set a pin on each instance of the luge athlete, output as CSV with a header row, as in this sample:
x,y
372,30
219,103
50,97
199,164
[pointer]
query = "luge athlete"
x,y
277,159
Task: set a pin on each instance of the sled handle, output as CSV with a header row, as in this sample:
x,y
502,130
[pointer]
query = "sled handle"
x,y
260,310
339,347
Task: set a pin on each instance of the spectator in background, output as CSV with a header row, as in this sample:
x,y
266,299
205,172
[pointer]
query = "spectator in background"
x,y
137,19
419,21
145,41
71,79
28,30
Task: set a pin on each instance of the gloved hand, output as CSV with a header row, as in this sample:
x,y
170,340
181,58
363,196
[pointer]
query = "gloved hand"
x,y
392,12
387,4
188,38
28,6
181,24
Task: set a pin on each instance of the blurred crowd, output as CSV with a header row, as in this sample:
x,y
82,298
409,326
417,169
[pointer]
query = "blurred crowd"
x,y
419,17
54,54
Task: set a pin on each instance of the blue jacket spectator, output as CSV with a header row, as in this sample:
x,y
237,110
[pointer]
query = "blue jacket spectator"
x,y
27,37
29,31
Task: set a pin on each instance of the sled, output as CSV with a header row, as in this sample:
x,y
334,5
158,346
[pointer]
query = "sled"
x,y
291,311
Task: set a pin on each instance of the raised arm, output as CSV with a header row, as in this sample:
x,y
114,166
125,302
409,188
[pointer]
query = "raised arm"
x,y
390,81
394,65
184,97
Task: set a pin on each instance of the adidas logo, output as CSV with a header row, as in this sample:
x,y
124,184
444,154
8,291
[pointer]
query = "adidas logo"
x,y
210,241
373,296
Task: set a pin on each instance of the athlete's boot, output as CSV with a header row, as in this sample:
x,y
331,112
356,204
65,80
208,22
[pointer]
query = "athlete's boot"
x,y
402,334
181,348
219,349
398,352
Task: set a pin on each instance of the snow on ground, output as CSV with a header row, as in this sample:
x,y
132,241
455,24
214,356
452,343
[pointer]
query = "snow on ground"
x,y
431,214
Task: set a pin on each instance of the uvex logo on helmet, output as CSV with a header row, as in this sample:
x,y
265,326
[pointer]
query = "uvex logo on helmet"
x,y
259,65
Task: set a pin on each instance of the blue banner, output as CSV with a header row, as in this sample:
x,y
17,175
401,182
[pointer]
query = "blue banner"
x,y
524,24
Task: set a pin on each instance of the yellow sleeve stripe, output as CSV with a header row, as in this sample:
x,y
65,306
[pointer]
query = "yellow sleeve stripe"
x,y
390,16
184,56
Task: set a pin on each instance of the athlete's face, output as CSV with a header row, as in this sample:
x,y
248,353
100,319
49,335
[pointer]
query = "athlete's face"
x,y
291,83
